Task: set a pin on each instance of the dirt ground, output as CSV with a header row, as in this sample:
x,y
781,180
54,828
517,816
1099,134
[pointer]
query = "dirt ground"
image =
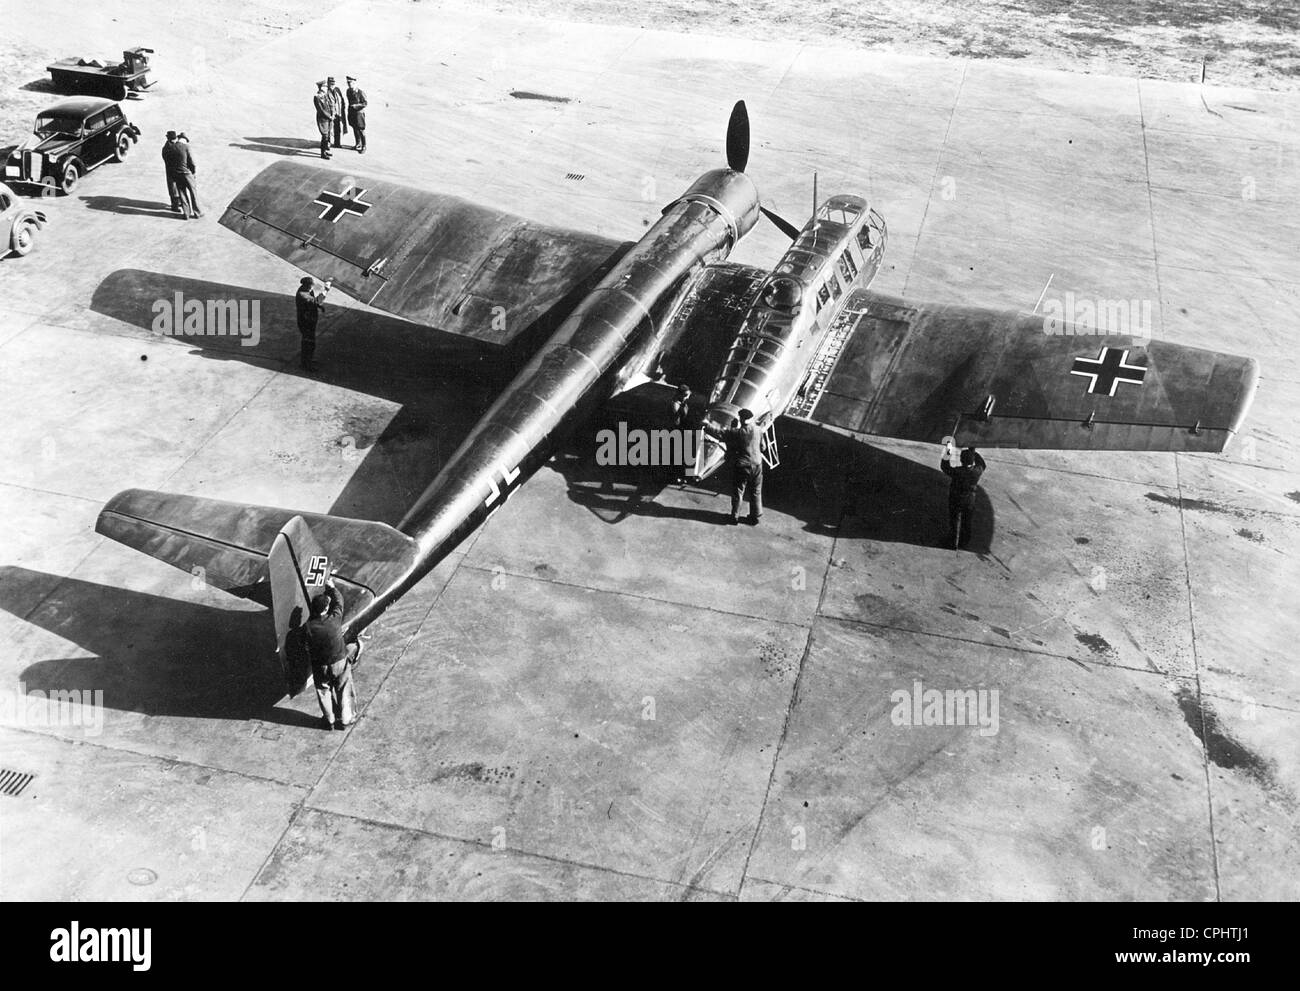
x,y
1253,43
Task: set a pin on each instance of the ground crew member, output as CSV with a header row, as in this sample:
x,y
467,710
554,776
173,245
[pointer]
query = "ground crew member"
x,y
961,493
682,407
357,114
340,124
309,303
331,658
745,456
681,413
324,104
180,169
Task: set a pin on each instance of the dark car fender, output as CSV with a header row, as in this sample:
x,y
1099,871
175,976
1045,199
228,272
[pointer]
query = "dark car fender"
x,y
134,131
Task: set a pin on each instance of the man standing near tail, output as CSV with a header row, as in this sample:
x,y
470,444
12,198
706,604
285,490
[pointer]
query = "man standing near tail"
x,y
331,658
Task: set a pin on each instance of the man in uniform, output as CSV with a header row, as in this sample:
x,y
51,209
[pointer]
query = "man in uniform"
x,y
309,303
357,114
180,168
961,493
331,658
745,456
340,124
324,104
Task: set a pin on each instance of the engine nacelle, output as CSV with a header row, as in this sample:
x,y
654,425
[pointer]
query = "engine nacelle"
x,y
732,194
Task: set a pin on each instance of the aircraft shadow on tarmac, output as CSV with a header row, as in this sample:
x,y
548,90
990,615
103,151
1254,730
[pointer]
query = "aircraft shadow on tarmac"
x,y
154,655
834,484
442,383
292,147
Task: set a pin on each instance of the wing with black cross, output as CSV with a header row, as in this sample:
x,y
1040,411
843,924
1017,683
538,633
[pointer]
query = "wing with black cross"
x,y
996,378
433,259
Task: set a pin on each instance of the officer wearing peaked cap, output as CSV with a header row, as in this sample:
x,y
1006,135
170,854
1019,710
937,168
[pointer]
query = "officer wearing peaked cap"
x,y
324,104
357,114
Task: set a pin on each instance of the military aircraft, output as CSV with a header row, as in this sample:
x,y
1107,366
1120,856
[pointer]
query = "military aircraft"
x,y
806,340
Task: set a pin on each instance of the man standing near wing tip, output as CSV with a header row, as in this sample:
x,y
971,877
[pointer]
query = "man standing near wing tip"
x,y
357,114
961,493
332,659
340,123
324,104
309,304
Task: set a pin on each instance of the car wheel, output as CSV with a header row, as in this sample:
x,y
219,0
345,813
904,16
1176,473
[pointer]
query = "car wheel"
x,y
71,177
122,147
24,237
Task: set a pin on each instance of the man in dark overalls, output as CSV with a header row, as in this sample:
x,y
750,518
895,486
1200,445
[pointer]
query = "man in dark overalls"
x,y
309,303
357,114
961,493
331,658
745,456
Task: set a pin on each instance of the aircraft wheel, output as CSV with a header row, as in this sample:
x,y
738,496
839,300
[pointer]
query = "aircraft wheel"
x,y
122,147
71,177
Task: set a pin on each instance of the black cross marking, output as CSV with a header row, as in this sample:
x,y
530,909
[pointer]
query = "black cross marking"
x,y
1108,370
337,204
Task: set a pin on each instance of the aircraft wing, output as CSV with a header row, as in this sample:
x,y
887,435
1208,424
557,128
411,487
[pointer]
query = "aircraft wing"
x,y
995,378
432,259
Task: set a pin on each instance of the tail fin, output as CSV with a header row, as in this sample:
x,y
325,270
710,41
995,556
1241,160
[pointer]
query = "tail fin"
x,y
273,556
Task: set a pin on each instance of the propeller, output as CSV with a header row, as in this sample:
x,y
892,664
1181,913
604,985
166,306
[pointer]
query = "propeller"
x,y
787,228
738,138
738,158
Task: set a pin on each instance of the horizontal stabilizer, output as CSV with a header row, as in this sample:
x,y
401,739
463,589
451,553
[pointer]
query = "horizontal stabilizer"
x,y
227,544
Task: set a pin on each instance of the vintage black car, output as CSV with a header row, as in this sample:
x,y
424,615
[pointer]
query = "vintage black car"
x,y
69,139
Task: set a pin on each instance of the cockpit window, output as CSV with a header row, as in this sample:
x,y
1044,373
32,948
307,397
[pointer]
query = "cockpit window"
x,y
864,239
838,213
847,267
823,296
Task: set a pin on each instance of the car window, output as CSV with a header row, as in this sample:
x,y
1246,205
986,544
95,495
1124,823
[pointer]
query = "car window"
x,y
95,123
112,115
47,124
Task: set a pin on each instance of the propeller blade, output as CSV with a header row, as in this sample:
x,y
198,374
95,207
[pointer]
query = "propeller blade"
x,y
787,228
738,138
